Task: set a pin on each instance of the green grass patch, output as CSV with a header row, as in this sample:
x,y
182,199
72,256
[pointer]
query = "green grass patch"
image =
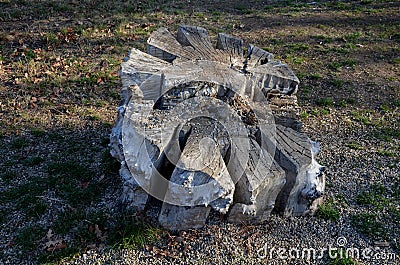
x,y
32,161
368,223
338,5
387,153
363,116
395,61
291,47
351,100
324,111
28,238
350,46
343,103
322,38
94,117
340,257
336,65
348,63
315,76
23,196
19,143
55,136
314,112
109,165
328,211
54,257
36,209
374,197
325,102
354,145
386,133
119,231
385,108
298,60
79,221
29,54
75,182
382,216
353,36
72,170
301,75
3,216
396,36
68,220
274,42
9,175
38,132
337,83
293,59
129,233
304,115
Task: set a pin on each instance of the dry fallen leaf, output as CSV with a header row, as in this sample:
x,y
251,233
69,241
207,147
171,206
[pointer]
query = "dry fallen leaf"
x,y
164,253
53,244
84,184
37,80
49,234
148,248
97,231
91,246
57,245
99,234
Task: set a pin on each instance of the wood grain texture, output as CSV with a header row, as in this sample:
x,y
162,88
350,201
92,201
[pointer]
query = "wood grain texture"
x,y
208,128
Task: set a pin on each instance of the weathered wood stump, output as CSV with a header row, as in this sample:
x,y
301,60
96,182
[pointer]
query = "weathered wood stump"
x,y
202,128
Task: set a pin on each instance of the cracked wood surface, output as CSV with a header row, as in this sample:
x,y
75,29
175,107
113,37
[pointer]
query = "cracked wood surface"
x,y
212,128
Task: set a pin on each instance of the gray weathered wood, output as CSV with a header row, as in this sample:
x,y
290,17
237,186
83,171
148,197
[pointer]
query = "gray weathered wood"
x,y
201,168
293,151
275,77
163,55
197,38
257,56
176,218
202,171
230,44
163,40
139,67
258,187
201,128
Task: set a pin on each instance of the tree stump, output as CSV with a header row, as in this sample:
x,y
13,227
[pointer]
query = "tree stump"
x,y
203,128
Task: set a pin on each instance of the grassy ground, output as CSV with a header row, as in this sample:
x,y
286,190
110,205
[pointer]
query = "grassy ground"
x,y
59,87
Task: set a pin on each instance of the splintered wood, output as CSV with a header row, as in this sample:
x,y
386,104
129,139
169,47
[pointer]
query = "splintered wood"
x,y
204,128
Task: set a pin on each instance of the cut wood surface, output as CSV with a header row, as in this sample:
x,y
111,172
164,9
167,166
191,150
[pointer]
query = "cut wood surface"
x,y
206,128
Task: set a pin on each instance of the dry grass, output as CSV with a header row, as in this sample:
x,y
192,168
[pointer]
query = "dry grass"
x,y
59,86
